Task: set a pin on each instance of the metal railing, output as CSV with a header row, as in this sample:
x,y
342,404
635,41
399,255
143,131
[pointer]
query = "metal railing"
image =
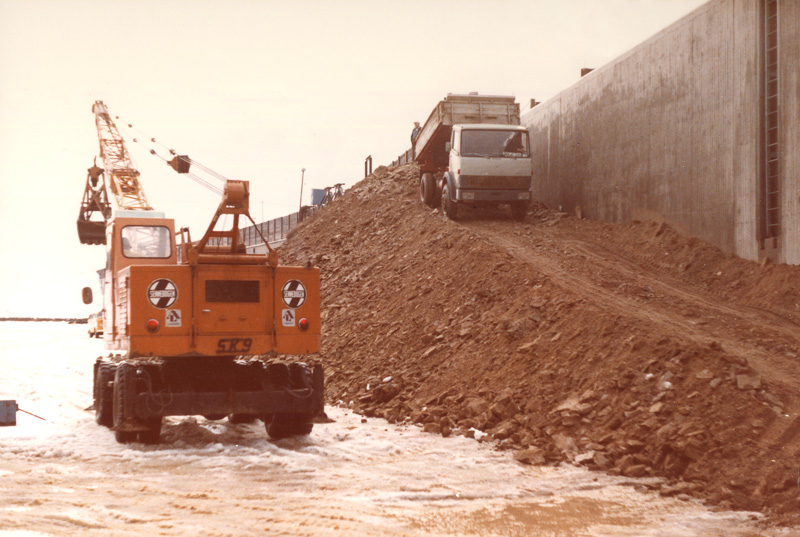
x,y
276,230
405,158
368,166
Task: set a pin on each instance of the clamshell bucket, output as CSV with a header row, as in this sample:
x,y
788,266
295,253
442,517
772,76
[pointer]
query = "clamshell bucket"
x,y
90,232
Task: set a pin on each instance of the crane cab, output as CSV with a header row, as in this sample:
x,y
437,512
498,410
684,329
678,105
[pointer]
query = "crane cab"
x,y
140,238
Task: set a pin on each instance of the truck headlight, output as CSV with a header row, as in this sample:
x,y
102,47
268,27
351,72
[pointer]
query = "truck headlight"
x,y
524,196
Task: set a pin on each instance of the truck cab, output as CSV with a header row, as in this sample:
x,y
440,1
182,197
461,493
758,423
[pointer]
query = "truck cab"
x,y
488,164
472,151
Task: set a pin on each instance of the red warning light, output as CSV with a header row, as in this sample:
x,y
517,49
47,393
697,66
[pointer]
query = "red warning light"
x,y
152,325
303,324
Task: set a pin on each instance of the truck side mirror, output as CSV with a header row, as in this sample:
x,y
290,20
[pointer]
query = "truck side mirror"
x,y
448,146
87,295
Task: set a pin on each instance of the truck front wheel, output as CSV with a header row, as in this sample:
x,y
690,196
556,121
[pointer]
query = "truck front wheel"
x,y
427,189
449,206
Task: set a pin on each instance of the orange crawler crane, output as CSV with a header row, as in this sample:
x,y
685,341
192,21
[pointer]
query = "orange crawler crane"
x,y
194,323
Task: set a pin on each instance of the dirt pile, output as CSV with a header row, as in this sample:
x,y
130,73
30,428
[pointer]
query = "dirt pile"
x,y
627,349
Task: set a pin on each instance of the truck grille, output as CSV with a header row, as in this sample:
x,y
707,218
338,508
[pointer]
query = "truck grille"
x,y
495,182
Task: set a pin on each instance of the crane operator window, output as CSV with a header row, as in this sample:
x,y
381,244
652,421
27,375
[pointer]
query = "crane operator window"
x,y
146,241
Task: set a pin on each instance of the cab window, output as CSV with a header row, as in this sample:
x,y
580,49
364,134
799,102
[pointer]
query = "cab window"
x,y
146,241
494,143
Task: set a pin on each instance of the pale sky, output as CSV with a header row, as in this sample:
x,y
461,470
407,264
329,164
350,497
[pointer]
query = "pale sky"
x,y
255,90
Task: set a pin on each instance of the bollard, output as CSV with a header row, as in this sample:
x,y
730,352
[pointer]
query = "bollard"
x,y
8,412
368,166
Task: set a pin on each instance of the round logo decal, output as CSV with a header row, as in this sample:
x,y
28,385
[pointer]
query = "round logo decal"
x,y
162,293
294,294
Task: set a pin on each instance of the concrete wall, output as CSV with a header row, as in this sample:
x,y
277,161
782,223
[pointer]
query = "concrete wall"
x,y
790,129
671,131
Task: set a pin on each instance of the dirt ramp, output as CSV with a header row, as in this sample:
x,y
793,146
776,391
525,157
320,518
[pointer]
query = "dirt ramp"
x,y
628,349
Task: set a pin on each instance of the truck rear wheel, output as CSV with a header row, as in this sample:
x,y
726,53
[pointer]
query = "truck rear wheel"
x,y
449,206
125,437
427,189
104,395
152,434
122,410
286,425
519,210
295,376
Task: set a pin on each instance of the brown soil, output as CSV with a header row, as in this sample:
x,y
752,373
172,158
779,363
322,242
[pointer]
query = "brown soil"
x,y
629,349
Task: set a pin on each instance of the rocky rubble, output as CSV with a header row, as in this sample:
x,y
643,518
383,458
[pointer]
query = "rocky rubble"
x,y
432,321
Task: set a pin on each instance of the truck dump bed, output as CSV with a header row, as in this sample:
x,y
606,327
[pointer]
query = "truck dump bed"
x,y
460,109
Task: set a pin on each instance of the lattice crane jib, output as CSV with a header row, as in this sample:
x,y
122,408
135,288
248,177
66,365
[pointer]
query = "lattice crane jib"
x,y
123,178
119,177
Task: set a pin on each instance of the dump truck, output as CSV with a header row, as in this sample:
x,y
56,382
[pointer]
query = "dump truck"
x,y
472,151
195,327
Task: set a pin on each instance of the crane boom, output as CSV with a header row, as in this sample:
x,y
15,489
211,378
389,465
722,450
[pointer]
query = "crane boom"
x,y
123,177
119,173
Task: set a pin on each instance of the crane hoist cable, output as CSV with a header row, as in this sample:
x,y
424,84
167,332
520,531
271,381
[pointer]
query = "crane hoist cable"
x,y
192,163
181,163
128,194
197,179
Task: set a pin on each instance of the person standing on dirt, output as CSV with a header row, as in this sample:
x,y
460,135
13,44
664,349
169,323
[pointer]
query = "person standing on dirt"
x,y
414,135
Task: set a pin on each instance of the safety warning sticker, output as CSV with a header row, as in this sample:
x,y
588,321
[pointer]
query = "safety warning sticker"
x,y
288,317
294,294
173,318
162,293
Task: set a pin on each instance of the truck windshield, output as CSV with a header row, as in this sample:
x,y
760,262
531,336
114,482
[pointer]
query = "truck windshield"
x,y
146,241
494,143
